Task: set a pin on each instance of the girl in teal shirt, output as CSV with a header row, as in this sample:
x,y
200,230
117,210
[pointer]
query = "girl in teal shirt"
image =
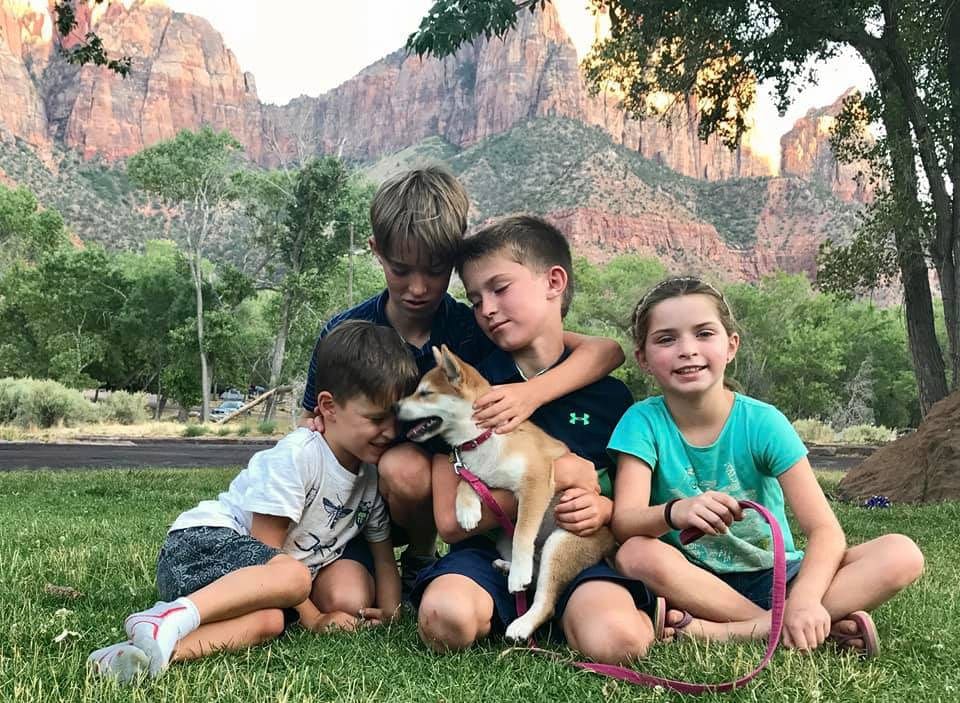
x,y
685,459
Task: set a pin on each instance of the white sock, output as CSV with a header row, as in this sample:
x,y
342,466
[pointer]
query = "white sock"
x,y
121,661
156,631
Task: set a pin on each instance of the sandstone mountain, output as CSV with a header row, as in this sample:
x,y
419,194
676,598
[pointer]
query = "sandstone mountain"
x,y
184,76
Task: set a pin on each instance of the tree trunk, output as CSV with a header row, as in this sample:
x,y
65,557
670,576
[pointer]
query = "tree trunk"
x,y
279,348
195,269
951,303
925,350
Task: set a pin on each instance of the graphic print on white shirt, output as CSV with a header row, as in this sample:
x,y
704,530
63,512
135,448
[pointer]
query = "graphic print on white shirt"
x,y
302,480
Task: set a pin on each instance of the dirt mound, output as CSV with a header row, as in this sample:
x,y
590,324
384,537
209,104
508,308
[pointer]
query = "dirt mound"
x,y
922,467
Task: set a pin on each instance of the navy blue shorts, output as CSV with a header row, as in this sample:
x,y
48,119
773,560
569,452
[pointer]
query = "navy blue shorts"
x,y
755,585
473,558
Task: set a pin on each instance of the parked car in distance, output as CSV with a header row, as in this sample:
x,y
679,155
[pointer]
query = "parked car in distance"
x,y
226,408
231,394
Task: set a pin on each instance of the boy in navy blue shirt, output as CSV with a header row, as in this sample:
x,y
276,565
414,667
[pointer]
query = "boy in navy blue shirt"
x,y
418,220
519,278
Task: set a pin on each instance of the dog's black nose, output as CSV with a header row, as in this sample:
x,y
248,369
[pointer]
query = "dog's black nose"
x,y
395,408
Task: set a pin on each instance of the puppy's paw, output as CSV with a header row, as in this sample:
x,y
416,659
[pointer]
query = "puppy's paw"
x,y
468,513
502,566
521,629
521,574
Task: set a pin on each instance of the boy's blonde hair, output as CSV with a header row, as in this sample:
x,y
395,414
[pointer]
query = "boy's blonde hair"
x,y
530,241
424,211
359,358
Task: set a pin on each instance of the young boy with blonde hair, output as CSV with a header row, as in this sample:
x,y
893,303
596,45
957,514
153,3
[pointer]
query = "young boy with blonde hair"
x,y
300,534
519,278
419,218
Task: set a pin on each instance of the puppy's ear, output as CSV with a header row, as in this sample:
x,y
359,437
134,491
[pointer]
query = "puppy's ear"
x,y
437,356
450,365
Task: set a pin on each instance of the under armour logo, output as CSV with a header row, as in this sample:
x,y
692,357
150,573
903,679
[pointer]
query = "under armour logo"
x,y
582,419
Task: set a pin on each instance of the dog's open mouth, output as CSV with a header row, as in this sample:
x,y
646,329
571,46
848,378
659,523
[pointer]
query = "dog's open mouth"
x,y
424,428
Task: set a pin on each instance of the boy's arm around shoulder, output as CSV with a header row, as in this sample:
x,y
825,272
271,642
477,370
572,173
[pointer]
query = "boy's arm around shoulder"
x,y
591,358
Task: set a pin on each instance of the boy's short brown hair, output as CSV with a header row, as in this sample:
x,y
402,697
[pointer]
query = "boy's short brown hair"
x,y
360,358
530,241
424,210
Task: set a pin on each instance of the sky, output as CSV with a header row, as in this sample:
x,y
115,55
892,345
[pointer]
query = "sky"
x,y
307,47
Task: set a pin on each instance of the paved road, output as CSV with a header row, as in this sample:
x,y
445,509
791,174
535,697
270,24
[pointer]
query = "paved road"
x,y
188,454
91,455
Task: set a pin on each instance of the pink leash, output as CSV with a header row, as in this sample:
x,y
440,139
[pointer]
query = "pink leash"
x,y
621,673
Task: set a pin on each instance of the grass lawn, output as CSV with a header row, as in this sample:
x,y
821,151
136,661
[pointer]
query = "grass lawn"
x,y
99,532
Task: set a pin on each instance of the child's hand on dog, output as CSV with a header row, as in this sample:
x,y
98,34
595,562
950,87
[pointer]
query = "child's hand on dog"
x,y
505,407
583,512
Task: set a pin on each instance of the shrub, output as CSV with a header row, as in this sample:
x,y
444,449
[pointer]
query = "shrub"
x,y
195,430
125,408
244,429
868,434
31,402
224,431
814,431
267,427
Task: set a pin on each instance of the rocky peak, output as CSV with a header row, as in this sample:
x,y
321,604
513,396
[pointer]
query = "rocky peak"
x,y
805,152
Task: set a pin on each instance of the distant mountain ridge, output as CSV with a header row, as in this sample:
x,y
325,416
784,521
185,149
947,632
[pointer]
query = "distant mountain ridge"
x,y
641,186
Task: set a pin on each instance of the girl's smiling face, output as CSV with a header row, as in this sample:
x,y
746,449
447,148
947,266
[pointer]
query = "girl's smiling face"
x,y
687,348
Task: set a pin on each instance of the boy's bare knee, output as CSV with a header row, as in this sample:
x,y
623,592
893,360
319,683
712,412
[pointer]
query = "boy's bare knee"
x,y
405,474
612,640
268,624
445,624
292,576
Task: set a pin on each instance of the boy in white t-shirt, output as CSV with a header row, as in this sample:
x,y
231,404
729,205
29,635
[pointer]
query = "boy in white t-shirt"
x,y
300,534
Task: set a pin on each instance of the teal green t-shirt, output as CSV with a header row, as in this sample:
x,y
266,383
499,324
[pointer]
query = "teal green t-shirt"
x,y
756,445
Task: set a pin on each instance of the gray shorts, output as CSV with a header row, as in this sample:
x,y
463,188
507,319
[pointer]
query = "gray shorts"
x,y
197,556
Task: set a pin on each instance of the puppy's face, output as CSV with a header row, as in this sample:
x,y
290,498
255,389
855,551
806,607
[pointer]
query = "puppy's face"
x,y
446,394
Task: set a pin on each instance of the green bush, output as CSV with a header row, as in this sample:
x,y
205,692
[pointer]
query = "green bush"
x,y
244,429
31,402
224,431
814,431
195,430
867,434
267,427
125,408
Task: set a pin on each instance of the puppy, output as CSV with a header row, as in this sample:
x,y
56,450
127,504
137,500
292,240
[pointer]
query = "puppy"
x,y
520,461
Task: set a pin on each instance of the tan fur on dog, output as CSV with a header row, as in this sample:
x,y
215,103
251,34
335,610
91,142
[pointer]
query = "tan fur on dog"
x,y
522,462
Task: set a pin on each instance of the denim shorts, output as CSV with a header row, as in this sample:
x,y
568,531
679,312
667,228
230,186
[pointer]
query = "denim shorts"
x,y
473,558
197,556
756,585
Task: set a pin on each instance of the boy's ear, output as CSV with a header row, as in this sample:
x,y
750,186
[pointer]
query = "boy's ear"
x,y
557,281
326,405
372,243
450,365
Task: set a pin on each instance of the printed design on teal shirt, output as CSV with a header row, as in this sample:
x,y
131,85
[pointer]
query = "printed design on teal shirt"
x,y
583,419
747,543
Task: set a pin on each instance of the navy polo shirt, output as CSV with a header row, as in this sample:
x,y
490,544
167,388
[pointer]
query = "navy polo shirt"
x,y
583,419
454,325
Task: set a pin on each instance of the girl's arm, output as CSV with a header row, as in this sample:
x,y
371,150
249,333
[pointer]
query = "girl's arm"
x,y
387,579
806,622
591,358
633,515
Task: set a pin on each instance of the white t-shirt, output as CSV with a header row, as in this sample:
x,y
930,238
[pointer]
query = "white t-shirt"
x,y
300,479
